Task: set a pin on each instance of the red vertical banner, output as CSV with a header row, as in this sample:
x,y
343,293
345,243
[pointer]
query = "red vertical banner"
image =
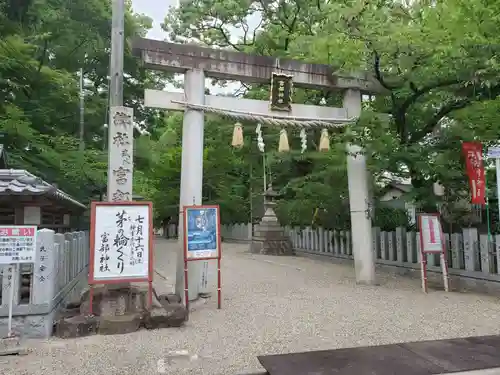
x,y
473,152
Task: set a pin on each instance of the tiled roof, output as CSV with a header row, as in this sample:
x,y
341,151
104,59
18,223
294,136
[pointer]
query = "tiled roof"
x,y
20,182
14,186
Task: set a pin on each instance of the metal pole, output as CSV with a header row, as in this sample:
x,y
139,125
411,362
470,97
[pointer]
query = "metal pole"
x,y
13,284
251,193
115,71
82,112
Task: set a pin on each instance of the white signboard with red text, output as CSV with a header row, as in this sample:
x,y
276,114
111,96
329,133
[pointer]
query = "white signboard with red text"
x,y
430,234
17,244
432,242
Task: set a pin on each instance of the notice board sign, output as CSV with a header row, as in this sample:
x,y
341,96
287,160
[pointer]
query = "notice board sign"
x,y
201,232
17,244
432,242
431,234
121,242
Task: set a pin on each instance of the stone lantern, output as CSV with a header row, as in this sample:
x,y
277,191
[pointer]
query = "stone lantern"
x,y
269,236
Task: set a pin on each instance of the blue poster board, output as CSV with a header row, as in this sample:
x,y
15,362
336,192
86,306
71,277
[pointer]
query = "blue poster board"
x,y
201,232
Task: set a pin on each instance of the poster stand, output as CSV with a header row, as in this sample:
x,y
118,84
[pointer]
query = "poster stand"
x,y
19,245
202,241
432,242
103,220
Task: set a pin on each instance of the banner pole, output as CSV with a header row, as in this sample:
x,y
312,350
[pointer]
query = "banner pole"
x,y
487,202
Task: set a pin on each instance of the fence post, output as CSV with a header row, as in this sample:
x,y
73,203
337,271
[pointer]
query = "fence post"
x,y
470,249
61,269
342,243
336,245
383,246
484,251
447,248
348,242
391,246
326,240
412,249
376,242
457,261
82,251
45,268
321,241
70,256
400,243
308,239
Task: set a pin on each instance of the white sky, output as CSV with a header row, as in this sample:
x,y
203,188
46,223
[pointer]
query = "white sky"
x,y
157,10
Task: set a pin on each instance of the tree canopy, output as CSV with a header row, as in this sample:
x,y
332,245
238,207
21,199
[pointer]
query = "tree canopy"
x,y
437,61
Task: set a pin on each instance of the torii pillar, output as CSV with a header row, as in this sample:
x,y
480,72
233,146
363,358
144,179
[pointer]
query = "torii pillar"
x,y
359,200
191,173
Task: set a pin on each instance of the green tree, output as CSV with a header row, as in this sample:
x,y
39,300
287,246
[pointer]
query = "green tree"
x,y
437,81
43,45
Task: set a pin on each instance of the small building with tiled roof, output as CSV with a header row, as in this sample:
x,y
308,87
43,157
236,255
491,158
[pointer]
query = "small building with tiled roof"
x,y
28,199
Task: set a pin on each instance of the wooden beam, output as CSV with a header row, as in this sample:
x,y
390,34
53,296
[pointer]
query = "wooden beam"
x,y
163,99
223,64
18,201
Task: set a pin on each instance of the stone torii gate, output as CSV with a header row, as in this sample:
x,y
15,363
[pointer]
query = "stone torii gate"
x,y
198,63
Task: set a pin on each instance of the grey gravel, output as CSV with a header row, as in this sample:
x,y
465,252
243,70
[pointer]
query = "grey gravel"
x,y
270,305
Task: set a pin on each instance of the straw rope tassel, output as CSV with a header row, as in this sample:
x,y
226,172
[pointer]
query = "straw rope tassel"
x,y
237,135
324,141
283,145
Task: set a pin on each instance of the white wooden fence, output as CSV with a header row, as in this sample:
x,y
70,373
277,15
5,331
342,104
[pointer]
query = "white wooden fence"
x,y
58,274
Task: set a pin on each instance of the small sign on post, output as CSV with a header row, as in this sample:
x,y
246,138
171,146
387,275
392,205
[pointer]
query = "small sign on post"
x,y
432,242
202,241
121,244
17,245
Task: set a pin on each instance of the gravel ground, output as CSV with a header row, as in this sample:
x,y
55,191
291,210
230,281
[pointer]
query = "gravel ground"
x,y
270,305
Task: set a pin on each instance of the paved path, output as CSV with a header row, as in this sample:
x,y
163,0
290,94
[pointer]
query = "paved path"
x,y
270,305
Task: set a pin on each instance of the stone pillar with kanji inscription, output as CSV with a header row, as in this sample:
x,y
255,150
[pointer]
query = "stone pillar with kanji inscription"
x,y
120,154
45,268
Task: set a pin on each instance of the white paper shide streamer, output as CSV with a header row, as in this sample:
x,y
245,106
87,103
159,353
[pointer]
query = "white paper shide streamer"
x,y
260,139
303,140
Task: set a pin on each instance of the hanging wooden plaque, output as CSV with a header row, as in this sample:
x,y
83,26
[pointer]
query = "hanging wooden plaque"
x,y
281,92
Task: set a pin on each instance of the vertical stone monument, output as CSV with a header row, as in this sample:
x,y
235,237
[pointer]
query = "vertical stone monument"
x,y
269,236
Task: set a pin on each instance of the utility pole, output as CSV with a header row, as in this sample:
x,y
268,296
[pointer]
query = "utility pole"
x,y
82,113
116,61
116,100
